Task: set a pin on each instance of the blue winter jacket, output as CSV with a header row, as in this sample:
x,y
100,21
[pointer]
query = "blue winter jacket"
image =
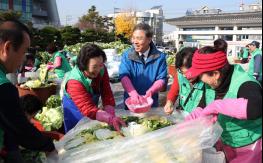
x,y
143,75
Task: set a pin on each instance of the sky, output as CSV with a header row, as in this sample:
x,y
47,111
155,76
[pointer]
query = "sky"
x,y
71,10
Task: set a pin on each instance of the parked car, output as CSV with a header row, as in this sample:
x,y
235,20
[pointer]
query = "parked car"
x,y
160,48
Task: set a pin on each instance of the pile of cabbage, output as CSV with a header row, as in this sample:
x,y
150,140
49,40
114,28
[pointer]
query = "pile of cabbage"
x,y
149,137
42,81
118,45
98,131
139,126
51,116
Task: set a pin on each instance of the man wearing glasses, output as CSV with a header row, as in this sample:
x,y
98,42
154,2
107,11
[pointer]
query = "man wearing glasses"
x,y
143,69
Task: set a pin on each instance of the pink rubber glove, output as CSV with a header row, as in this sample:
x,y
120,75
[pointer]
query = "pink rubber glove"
x,y
195,114
198,113
156,87
110,109
49,67
28,68
58,62
236,108
116,122
135,97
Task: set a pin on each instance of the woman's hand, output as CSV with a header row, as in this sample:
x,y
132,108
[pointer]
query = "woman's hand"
x,y
169,107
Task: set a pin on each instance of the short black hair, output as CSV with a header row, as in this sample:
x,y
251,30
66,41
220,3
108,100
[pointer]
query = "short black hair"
x,y
13,30
52,48
184,57
146,28
255,43
30,104
221,45
88,52
208,50
32,51
181,42
30,56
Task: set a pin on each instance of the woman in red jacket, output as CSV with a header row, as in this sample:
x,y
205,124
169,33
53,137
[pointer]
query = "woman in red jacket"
x,y
83,86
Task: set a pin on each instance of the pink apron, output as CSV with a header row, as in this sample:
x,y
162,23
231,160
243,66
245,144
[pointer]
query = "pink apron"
x,y
248,154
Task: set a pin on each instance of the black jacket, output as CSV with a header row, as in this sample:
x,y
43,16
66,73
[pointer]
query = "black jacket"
x,y
15,124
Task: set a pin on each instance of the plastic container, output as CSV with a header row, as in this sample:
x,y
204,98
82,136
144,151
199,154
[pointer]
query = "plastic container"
x,y
139,109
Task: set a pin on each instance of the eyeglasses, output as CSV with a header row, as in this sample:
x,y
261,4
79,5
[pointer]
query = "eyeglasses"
x,y
138,38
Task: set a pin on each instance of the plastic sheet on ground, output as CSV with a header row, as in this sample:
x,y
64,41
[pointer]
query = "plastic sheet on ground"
x,y
180,143
211,155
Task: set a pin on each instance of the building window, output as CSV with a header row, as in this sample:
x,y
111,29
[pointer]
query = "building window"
x,y
199,29
250,28
4,5
242,37
140,19
147,19
227,37
226,28
17,5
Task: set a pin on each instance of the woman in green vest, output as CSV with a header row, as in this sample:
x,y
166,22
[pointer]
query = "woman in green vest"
x,y
58,61
84,85
190,94
255,63
237,107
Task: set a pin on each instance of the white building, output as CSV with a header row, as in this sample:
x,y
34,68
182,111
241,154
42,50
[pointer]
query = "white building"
x,y
154,17
237,28
205,11
251,7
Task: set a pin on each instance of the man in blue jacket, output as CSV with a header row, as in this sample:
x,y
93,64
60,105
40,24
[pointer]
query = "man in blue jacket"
x,y
143,69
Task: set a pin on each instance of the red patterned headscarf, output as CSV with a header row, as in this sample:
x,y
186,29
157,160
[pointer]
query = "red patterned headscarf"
x,y
206,62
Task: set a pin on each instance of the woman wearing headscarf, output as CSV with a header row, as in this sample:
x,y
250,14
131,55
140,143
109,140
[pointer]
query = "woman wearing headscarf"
x,y
238,104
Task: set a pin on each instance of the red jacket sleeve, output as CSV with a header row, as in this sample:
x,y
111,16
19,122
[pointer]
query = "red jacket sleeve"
x,y
106,92
174,91
82,99
37,124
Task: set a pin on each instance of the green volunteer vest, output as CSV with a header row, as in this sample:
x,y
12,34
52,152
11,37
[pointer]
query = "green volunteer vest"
x,y
65,66
245,53
239,133
196,96
3,80
74,60
252,61
76,74
37,63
